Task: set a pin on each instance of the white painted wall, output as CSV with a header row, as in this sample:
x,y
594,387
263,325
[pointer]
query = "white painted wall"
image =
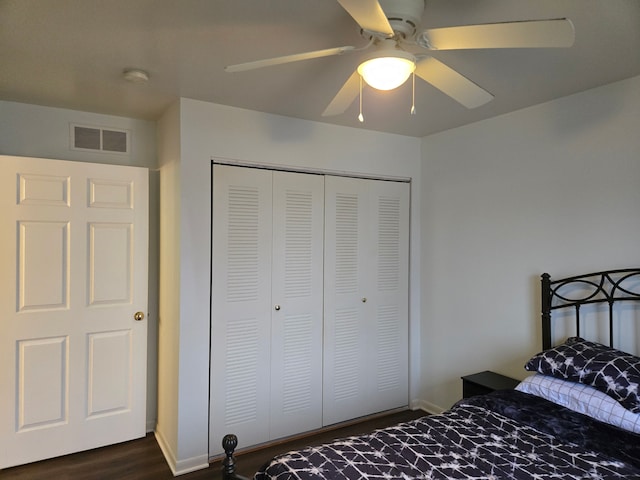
x,y
168,359
214,131
552,188
37,131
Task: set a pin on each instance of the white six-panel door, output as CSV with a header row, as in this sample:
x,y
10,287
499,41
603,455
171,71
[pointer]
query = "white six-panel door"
x,y
73,263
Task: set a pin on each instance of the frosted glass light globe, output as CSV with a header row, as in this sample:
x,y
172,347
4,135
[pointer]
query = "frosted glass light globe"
x,y
386,73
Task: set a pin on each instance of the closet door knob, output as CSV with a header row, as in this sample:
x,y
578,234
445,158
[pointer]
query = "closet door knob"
x,y
277,307
364,299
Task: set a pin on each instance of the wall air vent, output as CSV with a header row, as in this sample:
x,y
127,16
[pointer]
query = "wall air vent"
x,y
108,140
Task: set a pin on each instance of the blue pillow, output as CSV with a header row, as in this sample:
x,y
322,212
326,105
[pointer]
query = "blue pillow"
x,y
609,370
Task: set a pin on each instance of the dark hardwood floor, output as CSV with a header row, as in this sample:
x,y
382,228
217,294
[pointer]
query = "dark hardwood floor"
x,y
142,459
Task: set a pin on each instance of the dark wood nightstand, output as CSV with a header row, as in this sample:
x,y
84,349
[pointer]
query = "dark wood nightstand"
x,y
486,382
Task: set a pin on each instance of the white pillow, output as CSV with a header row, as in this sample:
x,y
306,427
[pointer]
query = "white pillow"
x,y
583,399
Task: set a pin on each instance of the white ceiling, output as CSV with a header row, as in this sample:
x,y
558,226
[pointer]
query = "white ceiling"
x,y
71,54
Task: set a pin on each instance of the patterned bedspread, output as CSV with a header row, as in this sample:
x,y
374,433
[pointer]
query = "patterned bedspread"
x,y
503,435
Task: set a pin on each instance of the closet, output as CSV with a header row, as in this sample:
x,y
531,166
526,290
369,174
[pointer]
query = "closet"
x,y
309,301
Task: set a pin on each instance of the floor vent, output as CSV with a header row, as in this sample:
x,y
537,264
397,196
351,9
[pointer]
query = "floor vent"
x,y
108,140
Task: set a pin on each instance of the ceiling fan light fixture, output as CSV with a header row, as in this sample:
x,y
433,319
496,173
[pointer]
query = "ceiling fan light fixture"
x,y
388,70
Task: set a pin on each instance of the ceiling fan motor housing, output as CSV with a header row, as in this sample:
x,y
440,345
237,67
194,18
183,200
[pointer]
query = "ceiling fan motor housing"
x,y
403,15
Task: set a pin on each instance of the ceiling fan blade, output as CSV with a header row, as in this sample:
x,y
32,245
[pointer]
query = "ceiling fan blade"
x,y
241,67
369,15
526,34
345,96
452,83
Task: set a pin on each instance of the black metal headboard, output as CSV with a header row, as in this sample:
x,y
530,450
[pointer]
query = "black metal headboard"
x,y
599,287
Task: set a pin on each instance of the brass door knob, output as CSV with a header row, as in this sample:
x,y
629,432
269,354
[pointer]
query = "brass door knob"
x,y
138,316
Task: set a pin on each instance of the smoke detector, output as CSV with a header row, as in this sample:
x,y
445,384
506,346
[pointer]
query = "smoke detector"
x,y
135,75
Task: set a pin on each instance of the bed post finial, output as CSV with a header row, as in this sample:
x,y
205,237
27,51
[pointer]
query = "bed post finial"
x,y
546,311
229,444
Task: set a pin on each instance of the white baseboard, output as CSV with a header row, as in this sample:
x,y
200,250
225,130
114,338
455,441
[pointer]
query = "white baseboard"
x,y
426,406
180,467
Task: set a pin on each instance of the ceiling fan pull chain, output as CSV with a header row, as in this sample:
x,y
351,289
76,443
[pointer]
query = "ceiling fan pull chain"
x,y
413,94
360,117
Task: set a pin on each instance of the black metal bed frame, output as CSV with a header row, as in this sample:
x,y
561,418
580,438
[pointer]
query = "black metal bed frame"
x,y
229,444
602,287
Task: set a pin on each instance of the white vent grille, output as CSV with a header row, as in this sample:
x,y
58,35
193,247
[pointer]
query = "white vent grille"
x,y
108,140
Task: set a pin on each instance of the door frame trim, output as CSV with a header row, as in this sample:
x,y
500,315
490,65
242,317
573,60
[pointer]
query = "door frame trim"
x,y
311,170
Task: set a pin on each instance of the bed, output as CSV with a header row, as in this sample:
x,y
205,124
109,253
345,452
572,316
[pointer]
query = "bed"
x,y
577,416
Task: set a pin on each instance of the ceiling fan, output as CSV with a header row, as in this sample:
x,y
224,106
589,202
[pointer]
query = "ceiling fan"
x,y
398,49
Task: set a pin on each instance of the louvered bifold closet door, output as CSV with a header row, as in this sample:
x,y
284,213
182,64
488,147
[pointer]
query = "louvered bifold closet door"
x,y
345,334
241,305
297,293
366,297
389,304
